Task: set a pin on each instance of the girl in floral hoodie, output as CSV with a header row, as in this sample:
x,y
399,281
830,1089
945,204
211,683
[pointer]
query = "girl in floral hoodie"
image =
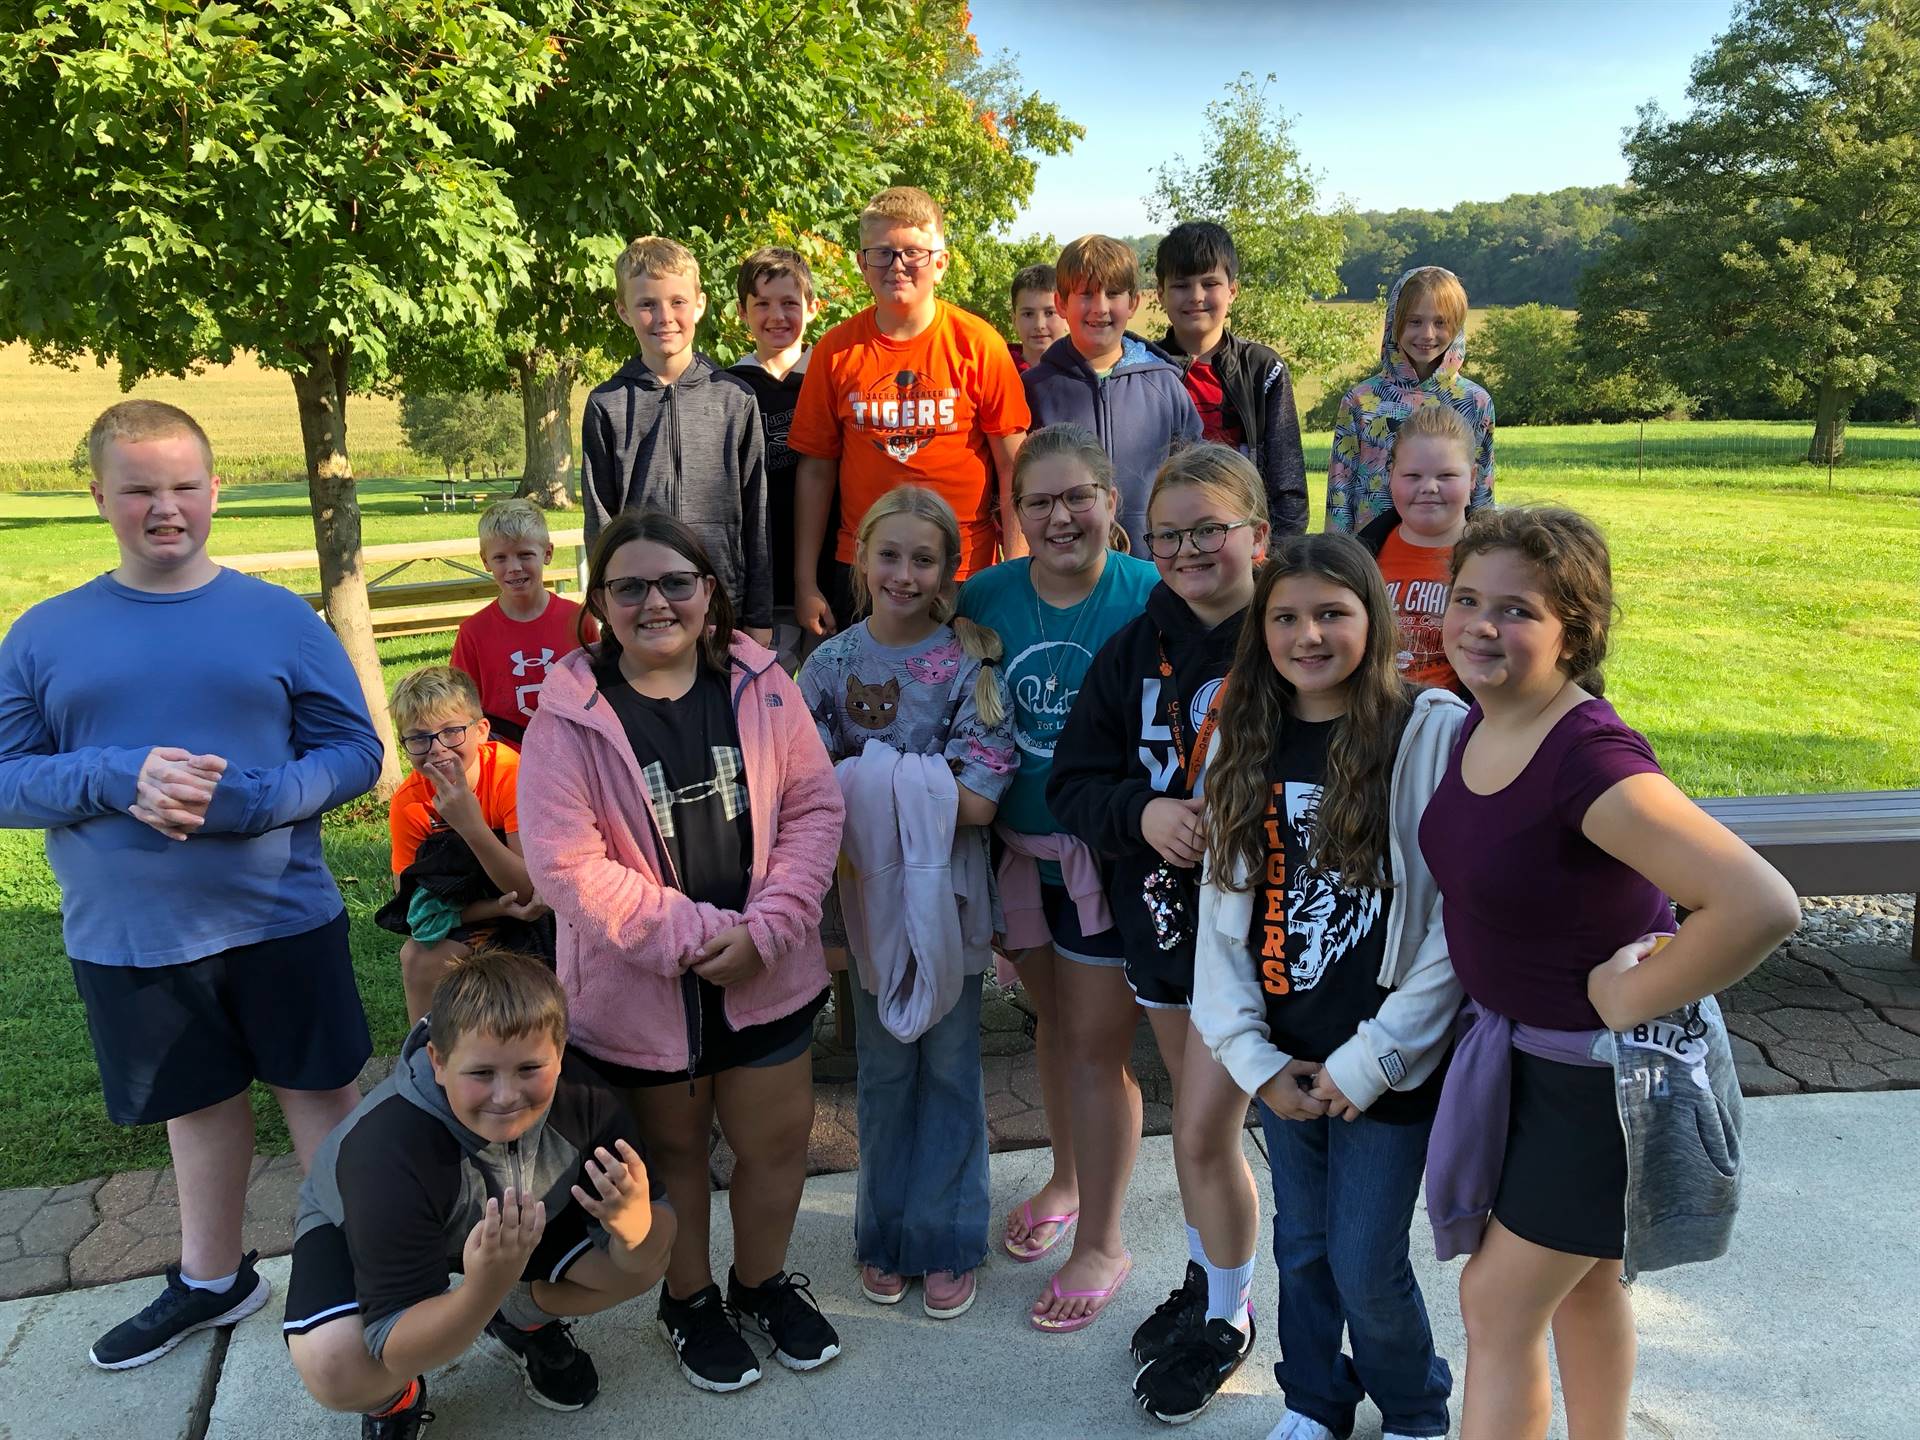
x,y
1422,347
681,818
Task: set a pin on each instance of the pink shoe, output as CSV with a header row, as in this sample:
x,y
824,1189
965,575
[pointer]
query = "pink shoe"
x,y
882,1287
1029,1251
946,1295
1099,1297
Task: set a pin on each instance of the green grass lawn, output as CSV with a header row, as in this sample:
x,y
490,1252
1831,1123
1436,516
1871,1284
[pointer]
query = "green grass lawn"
x,y
1766,643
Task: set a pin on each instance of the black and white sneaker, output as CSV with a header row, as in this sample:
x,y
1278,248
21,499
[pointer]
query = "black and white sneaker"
x,y
705,1335
404,1424
1179,1317
557,1373
1183,1381
787,1314
175,1313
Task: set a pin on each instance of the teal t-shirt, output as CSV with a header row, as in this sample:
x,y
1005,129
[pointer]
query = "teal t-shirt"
x,y
1047,654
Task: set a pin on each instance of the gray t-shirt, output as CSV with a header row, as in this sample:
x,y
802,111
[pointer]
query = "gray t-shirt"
x,y
917,698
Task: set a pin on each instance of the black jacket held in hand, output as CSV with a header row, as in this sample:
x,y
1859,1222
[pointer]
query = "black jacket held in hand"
x,y
1260,389
1117,753
694,449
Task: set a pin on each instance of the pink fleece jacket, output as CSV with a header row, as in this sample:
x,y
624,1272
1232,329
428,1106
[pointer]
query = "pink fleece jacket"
x,y
625,931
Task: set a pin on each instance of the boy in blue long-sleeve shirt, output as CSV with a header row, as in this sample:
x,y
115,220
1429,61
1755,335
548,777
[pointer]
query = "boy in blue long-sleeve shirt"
x,y
177,730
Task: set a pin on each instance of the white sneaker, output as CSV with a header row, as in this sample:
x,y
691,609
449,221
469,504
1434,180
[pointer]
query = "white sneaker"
x,y
1299,1427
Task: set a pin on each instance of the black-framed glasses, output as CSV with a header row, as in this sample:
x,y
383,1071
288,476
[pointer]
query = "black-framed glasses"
x,y
674,585
1207,538
1079,500
881,257
420,743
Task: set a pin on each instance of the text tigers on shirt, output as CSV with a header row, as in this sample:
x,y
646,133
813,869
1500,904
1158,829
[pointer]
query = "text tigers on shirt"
x,y
1273,924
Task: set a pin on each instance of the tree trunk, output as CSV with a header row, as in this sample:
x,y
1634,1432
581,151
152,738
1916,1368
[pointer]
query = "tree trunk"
x,y
321,390
546,408
1829,445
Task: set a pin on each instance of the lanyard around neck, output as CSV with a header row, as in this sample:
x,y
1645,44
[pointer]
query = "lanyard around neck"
x,y
1189,768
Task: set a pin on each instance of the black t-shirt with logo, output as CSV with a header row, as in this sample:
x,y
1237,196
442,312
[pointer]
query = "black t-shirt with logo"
x,y
1317,941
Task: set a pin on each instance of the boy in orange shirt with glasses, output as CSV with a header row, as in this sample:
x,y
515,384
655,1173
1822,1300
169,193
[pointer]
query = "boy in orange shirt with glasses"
x,y
910,391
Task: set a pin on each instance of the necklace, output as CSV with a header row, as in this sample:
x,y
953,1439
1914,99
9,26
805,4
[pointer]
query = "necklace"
x,y
1080,614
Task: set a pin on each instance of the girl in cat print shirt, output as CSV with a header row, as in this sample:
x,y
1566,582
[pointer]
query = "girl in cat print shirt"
x,y
911,680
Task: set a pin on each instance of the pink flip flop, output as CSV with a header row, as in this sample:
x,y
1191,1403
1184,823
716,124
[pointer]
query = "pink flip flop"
x,y
1027,1256
1100,1297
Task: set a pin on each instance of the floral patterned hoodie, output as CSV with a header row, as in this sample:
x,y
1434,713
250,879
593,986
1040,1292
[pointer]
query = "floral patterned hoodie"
x,y
1363,436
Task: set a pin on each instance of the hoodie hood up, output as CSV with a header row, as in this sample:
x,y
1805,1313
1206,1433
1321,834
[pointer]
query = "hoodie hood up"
x,y
1395,363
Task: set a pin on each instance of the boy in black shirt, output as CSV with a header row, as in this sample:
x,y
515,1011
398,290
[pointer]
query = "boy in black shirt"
x,y
485,1152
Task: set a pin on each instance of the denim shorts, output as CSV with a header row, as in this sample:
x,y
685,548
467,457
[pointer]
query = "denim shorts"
x,y
1063,919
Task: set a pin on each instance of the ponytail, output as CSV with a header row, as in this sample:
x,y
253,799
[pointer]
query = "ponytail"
x,y
1118,539
983,645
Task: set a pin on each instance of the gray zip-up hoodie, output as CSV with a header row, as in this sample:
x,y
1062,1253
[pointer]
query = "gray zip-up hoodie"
x,y
407,1182
694,449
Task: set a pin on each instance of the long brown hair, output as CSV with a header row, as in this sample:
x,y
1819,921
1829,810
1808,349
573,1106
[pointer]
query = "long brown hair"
x,y
977,641
1351,837
662,529
1569,554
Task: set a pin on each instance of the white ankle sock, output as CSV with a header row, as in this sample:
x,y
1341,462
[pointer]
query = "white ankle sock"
x,y
1295,1426
1196,1252
1228,1289
218,1287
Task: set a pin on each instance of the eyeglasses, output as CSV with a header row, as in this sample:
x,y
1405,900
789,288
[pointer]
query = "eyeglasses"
x,y
881,257
420,743
674,585
1079,500
1165,544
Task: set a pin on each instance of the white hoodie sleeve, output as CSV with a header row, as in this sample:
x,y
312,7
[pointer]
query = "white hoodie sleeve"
x,y
1229,1009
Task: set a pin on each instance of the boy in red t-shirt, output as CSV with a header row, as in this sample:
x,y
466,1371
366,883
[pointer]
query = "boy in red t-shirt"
x,y
464,782
508,646
911,391
1431,476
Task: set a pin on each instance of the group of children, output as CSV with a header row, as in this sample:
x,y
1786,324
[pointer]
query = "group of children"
x,y
1347,817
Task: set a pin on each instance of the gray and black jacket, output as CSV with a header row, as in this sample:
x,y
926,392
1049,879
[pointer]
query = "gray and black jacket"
x,y
407,1182
694,449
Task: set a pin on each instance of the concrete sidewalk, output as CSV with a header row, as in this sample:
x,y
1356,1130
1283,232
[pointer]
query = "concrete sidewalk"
x,y
1798,1332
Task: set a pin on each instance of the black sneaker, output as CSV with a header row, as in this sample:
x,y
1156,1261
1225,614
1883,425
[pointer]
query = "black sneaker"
x,y
557,1373
1183,1381
1181,1316
788,1315
705,1336
176,1312
402,1424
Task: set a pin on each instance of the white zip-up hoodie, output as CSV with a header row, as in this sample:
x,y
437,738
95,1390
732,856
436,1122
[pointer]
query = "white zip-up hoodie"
x,y
1399,1048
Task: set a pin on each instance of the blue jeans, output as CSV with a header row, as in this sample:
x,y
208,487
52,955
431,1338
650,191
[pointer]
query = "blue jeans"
x,y
1343,1195
922,1201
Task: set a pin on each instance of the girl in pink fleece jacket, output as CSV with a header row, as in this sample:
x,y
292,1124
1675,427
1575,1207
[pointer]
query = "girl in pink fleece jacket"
x,y
681,818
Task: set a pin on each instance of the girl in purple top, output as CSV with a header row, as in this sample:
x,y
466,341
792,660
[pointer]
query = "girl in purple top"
x,y
1556,841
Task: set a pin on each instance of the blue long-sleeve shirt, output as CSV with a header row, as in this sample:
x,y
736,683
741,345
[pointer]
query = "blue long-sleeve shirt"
x,y
91,680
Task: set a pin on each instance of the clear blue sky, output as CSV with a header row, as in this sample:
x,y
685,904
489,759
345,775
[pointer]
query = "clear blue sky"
x,y
1394,103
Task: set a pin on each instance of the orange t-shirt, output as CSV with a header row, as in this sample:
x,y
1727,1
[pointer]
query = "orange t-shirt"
x,y
412,817
912,412
1418,579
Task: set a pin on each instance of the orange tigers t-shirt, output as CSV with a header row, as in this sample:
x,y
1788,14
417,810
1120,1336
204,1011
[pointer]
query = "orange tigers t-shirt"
x,y
1418,580
913,412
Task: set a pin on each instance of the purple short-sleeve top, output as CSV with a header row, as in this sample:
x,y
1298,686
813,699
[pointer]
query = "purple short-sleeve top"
x,y
1530,904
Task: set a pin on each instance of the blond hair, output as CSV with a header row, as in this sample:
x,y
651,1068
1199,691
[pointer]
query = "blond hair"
x,y
514,519
904,205
1082,446
1443,288
1096,262
976,640
1434,421
434,690
500,993
653,256
137,420
1221,471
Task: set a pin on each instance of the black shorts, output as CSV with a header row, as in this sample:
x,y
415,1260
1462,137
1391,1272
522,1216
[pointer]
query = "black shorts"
x,y
1563,1184
173,1039
321,1288
1063,922
758,1047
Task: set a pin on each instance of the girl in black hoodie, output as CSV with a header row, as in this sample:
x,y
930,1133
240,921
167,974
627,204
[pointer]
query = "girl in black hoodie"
x,y
1126,780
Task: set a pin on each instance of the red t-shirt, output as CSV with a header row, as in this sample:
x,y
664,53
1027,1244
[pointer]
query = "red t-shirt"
x,y
411,817
1218,423
912,412
1418,579
508,658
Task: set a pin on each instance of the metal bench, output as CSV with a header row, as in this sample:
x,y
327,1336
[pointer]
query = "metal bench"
x,y
1850,843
